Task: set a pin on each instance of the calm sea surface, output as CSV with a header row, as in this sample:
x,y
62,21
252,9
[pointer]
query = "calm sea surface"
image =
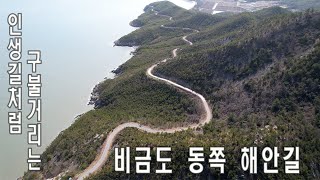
x,y
76,38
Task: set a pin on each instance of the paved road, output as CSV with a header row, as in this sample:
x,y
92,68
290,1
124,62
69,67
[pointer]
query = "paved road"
x,y
102,157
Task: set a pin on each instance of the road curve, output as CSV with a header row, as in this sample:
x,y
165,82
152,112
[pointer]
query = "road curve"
x,y
186,40
158,14
107,145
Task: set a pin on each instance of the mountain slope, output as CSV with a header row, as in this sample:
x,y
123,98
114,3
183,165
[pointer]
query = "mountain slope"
x,y
260,71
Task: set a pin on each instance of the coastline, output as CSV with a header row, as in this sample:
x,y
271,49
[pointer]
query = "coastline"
x,y
93,97
65,116
205,118
117,71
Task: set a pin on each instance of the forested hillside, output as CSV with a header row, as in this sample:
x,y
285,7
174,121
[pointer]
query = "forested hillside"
x,y
260,72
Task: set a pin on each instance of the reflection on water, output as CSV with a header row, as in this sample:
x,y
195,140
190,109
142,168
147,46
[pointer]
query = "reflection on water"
x,y
76,38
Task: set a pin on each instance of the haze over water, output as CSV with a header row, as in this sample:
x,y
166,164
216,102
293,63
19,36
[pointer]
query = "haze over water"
x,y
76,39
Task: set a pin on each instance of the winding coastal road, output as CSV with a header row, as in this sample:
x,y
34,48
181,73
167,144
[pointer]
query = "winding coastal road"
x,y
102,157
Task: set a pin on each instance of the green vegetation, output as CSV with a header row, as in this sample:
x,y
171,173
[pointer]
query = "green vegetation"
x,y
260,72
197,21
239,47
130,97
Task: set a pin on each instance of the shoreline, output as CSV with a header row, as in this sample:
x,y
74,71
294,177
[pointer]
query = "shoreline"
x,y
85,97
205,118
117,71
93,97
